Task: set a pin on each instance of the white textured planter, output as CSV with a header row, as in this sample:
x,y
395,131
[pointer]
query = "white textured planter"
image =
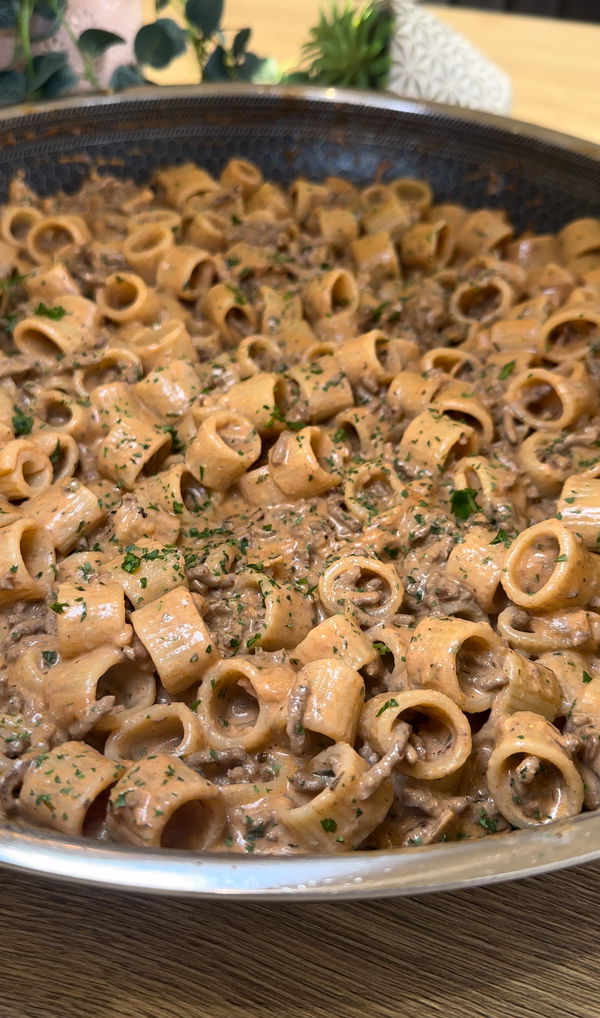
x,y
432,61
124,17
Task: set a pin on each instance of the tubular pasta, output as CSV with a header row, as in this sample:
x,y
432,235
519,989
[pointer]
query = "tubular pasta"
x,y
162,803
172,630
67,789
299,514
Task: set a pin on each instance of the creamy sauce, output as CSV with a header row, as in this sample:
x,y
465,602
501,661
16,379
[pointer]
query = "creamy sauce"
x,y
246,546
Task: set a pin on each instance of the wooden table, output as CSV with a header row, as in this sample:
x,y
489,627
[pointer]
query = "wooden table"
x,y
554,65
521,950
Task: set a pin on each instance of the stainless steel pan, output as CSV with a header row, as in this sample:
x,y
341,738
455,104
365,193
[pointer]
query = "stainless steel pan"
x,y
541,178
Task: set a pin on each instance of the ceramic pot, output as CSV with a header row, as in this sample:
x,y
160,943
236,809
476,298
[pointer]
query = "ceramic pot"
x,y
432,61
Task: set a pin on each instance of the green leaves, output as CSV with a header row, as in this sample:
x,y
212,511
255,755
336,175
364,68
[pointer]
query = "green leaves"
x,y
44,66
44,75
95,41
50,74
388,703
22,423
241,41
126,76
45,19
59,607
503,537
62,81
489,824
159,43
351,47
55,313
226,65
216,68
131,563
205,15
49,10
463,503
506,370
13,87
249,68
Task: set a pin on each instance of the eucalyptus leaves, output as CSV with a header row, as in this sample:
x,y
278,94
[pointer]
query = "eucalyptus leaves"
x,y
47,75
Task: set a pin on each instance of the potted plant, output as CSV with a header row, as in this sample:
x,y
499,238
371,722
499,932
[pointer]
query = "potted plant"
x,y
52,47
399,46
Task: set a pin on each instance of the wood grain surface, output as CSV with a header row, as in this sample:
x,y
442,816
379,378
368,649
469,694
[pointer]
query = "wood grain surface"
x,y
519,950
554,65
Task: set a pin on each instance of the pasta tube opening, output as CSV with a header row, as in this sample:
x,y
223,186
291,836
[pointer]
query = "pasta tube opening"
x,y
371,489
439,734
56,237
481,302
363,586
242,705
126,298
541,397
303,464
16,223
257,354
170,728
548,566
160,802
461,659
413,192
570,333
531,777
327,818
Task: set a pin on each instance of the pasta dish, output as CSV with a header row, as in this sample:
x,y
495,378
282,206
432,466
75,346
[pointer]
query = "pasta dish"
x,y
299,515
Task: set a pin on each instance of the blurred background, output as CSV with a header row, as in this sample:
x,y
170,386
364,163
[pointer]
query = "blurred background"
x,y
538,60
585,10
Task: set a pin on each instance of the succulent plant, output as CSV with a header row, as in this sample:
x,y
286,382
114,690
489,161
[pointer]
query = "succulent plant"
x,y
350,46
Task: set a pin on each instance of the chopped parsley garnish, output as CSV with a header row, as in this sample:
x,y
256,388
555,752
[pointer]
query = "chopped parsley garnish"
x,y
386,706
131,563
489,824
55,313
176,443
329,824
22,423
237,293
277,414
463,503
506,370
503,537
